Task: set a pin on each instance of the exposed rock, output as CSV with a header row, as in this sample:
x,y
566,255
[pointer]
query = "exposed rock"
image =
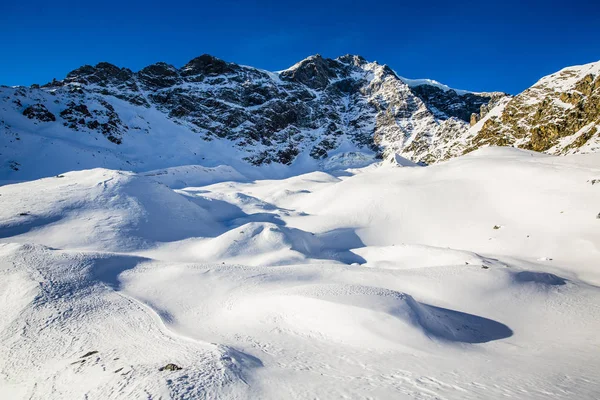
x,y
102,74
40,112
474,119
159,75
78,116
170,367
206,65
452,104
314,72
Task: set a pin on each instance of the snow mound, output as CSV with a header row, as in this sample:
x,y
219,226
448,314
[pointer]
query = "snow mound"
x,y
99,209
76,337
433,321
504,152
268,244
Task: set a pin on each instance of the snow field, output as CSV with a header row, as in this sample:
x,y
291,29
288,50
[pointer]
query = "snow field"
x,y
380,282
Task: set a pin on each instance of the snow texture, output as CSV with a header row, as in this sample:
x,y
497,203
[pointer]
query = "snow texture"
x,y
383,281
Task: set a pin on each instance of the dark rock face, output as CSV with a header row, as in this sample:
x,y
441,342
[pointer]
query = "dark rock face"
x,y
314,72
317,106
452,104
40,112
159,75
206,65
78,117
102,74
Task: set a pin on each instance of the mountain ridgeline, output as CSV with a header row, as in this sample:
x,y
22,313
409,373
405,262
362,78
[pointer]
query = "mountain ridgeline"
x,y
211,111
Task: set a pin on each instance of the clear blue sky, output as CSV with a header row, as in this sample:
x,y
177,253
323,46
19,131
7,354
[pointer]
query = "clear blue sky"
x,y
477,45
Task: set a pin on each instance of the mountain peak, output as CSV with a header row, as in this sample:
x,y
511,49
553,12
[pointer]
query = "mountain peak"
x,y
207,65
102,73
314,71
352,59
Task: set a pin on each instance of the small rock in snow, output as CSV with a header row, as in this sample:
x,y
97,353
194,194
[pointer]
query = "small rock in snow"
x,y
170,367
89,353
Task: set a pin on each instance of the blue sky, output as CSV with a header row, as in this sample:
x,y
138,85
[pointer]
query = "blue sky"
x,y
476,45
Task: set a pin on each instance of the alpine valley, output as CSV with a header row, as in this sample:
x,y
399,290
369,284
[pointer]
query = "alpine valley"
x,y
330,231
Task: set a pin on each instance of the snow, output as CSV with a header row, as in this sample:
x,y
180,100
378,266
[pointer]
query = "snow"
x,y
431,82
372,282
565,79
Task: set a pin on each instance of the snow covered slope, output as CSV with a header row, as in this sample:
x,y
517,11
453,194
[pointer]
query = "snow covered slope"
x,y
474,278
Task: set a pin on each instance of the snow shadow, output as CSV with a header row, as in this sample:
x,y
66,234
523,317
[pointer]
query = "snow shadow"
x,y
337,245
27,223
457,326
107,269
543,278
231,215
256,217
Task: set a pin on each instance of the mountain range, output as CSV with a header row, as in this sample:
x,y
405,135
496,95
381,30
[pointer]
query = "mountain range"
x,y
320,113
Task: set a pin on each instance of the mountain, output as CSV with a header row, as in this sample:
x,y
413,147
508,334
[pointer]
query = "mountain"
x,y
560,114
213,112
318,114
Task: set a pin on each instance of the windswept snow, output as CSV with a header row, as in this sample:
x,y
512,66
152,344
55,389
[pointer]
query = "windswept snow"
x,y
388,281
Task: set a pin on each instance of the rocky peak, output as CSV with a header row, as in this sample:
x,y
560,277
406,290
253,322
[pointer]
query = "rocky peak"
x,y
159,75
207,65
314,72
102,74
351,59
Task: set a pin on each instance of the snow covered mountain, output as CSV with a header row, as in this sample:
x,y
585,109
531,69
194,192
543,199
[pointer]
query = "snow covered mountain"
x,y
560,114
212,112
222,232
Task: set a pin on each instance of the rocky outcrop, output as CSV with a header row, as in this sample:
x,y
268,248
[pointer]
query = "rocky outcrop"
x,y
452,104
39,112
560,114
315,72
160,75
102,118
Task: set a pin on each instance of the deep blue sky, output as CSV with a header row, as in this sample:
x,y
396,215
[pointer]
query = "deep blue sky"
x,y
477,45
